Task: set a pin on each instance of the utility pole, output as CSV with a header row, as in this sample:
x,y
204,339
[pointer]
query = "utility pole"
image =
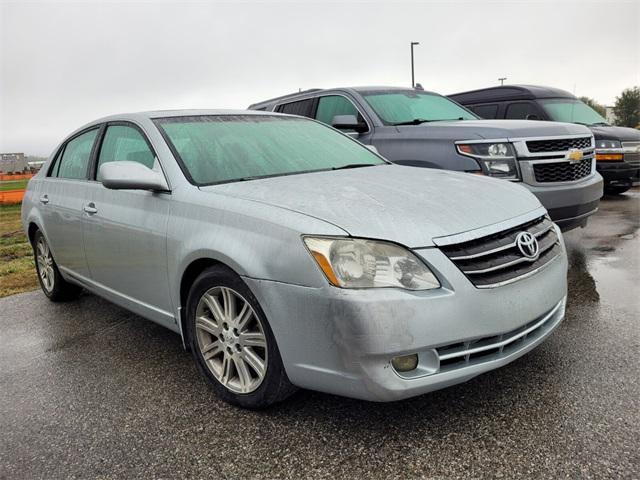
x,y
502,79
413,80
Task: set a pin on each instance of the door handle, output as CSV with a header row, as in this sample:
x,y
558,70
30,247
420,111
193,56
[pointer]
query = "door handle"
x,y
90,208
44,199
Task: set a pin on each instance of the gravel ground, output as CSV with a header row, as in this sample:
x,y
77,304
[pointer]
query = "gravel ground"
x,y
88,390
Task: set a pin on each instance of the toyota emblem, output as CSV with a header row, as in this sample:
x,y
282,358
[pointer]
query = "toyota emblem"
x,y
528,245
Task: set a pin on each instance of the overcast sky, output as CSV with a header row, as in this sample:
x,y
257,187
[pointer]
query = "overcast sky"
x,y
64,64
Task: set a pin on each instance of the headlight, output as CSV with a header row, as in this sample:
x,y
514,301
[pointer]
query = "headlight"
x,y
608,144
360,263
498,159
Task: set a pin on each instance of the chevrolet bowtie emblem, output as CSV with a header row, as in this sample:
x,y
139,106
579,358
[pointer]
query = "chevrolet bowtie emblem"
x,y
574,155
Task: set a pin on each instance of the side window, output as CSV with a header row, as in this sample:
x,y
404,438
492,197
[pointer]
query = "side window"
x,y
122,142
485,111
75,157
520,111
301,107
332,105
55,165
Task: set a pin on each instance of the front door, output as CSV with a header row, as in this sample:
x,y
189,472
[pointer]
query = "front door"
x,y
125,231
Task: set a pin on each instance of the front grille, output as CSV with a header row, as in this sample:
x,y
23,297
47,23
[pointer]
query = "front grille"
x,y
632,158
496,259
558,145
564,171
480,350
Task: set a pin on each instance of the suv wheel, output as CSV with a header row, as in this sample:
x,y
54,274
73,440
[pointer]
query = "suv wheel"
x,y
56,288
232,342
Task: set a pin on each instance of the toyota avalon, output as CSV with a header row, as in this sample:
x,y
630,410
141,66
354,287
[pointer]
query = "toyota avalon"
x,y
286,254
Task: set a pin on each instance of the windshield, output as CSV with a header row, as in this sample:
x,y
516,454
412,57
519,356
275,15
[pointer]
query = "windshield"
x,y
406,106
227,148
571,111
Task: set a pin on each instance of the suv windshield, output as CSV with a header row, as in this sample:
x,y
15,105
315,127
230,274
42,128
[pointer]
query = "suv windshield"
x,y
413,107
226,148
571,111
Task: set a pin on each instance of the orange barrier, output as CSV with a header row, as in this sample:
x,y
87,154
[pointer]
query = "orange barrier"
x,y
22,176
11,196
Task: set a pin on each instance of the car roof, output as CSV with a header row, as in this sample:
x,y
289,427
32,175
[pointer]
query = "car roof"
x,y
312,91
509,92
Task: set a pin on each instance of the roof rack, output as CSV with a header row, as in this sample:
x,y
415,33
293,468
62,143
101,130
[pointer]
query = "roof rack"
x,y
284,97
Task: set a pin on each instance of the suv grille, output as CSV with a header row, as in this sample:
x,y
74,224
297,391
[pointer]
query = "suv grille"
x,y
558,145
631,157
496,259
562,171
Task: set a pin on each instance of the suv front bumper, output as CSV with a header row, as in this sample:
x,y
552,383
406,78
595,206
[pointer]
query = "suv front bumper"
x,y
570,204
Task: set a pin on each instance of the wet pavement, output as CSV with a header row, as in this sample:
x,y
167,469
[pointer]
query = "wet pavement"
x,y
89,390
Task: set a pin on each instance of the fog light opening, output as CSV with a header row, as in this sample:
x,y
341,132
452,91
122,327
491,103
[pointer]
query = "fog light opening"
x,y
405,363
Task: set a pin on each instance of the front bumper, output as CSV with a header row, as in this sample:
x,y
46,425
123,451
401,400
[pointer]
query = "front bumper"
x,y
342,341
570,204
618,173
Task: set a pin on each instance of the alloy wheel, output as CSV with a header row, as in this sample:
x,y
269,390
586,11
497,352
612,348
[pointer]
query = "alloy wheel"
x,y
45,264
231,340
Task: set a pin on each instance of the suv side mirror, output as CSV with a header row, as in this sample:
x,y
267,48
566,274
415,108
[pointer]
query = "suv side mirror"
x,y
348,122
125,175
533,116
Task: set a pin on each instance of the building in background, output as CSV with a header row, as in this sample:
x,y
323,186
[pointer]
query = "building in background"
x,y
13,163
610,116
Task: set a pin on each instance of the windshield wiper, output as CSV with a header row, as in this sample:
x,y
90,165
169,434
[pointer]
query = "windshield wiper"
x,y
600,124
415,121
355,165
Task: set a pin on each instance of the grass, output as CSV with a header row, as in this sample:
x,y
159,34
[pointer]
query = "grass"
x,y
13,185
17,268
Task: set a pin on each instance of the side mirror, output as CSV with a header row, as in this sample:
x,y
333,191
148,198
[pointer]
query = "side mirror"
x,y
533,116
127,175
348,122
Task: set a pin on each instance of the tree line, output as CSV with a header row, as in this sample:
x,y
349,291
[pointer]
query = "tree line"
x,y
626,108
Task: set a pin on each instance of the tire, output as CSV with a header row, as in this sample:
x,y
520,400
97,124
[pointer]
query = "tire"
x,y
56,288
232,342
616,190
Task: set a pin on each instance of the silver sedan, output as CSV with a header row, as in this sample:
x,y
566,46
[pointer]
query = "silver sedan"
x,y
288,255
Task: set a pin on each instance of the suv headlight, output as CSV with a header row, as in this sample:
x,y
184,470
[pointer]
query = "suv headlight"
x,y
497,159
360,263
608,144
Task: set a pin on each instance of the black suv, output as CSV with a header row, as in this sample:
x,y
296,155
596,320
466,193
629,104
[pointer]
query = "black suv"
x,y
617,148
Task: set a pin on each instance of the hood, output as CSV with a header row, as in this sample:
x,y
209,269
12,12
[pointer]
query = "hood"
x,y
490,129
610,132
407,205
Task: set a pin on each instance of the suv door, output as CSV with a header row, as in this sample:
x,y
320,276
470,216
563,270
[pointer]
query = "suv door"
x,y
125,230
62,197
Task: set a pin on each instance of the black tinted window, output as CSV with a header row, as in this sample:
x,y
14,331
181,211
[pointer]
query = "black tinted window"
x,y
301,107
75,158
520,111
485,111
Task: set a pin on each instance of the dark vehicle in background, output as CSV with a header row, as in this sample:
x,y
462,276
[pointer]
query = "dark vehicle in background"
x,y
555,161
617,148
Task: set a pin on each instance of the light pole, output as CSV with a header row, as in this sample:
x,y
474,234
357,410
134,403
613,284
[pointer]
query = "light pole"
x,y
413,80
502,79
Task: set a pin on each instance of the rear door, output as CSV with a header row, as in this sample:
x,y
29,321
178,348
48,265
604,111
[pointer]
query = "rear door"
x,y
62,196
125,231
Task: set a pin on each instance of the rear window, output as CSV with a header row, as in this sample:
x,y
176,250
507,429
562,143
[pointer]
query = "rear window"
x,y
226,148
304,108
485,111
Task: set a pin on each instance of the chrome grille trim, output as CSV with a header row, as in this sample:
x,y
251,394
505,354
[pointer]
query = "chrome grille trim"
x,y
562,171
499,249
465,353
495,260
